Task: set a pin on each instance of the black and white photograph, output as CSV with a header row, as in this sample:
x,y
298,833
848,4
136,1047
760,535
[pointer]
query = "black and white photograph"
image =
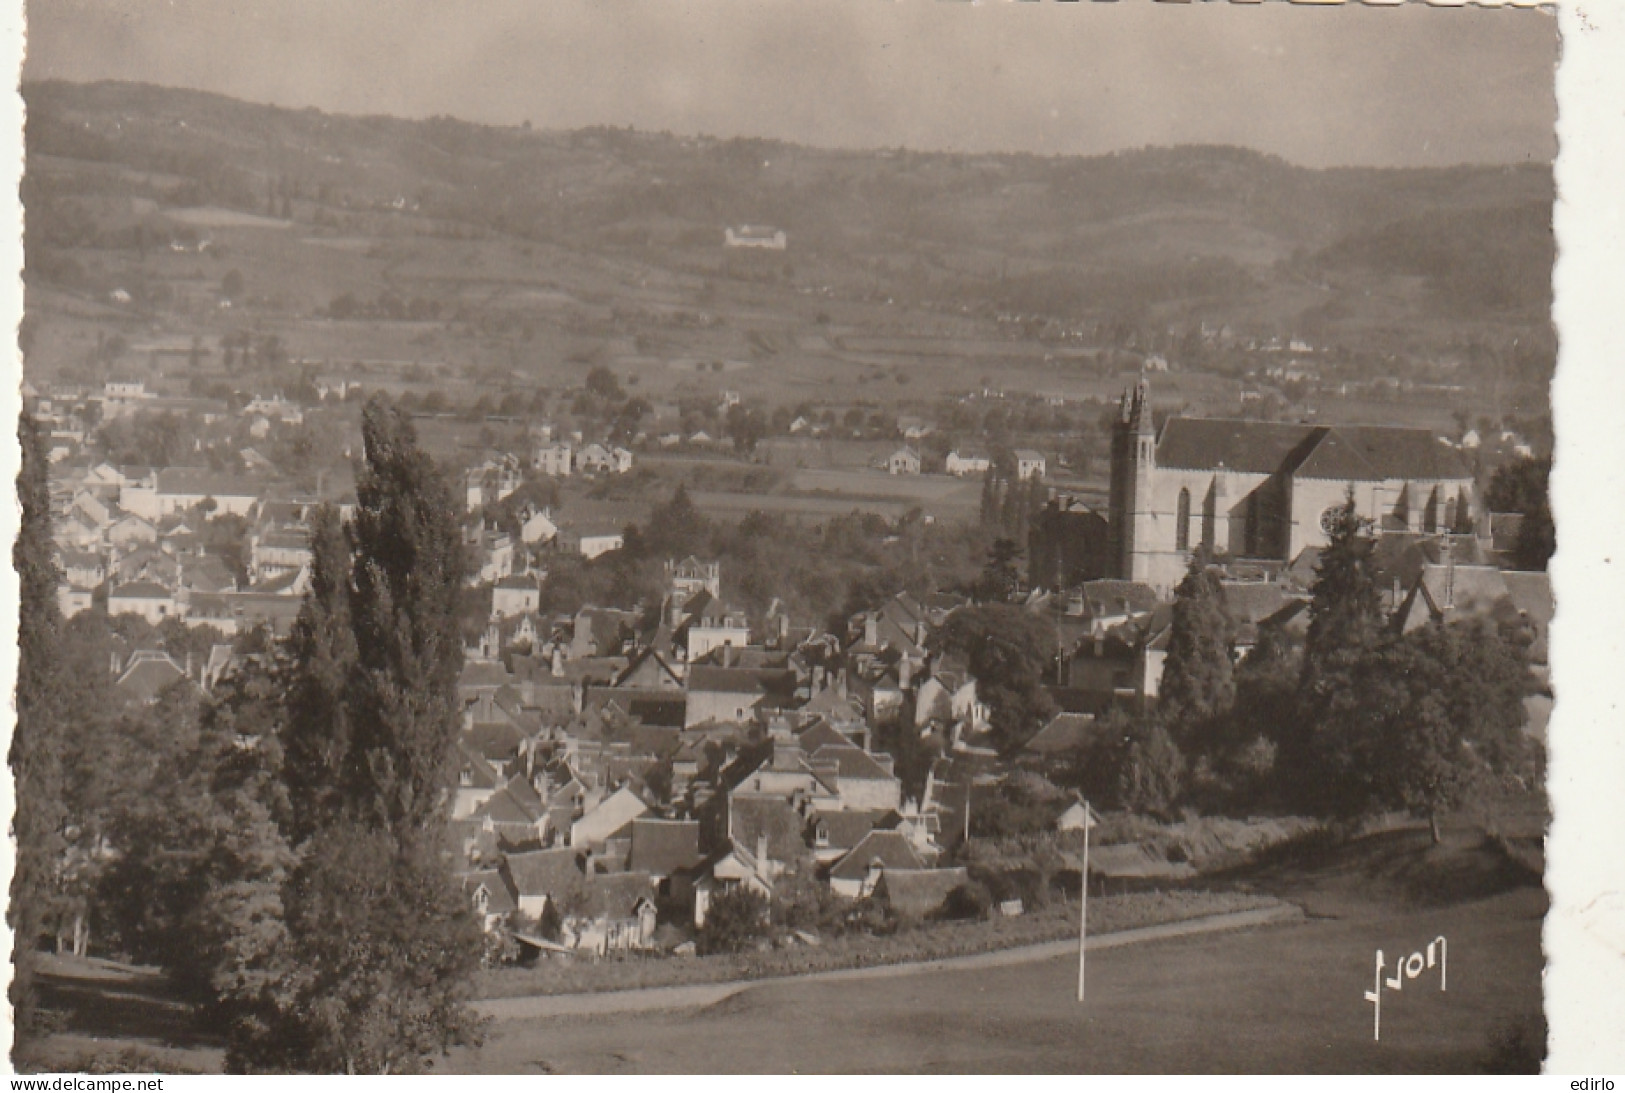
x,y
871,537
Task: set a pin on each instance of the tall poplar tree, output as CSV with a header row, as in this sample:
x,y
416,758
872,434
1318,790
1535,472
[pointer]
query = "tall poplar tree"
x,y
408,571
36,741
381,944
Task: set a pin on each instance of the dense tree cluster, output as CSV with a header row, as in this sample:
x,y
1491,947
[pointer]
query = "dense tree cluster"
x,y
1360,717
277,845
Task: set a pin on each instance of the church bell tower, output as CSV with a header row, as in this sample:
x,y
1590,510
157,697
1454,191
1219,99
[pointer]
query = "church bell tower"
x,y
1134,456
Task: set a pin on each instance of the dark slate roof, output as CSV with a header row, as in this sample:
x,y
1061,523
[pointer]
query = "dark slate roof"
x,y
144,679
890,848
616,895
1108,595
142,590
1366,452
750,816
846,828
1338,452
1256,447
1064,732
821,734
542,872
850,761
501,897
1250,601
916,893
762,681
662,847
495,739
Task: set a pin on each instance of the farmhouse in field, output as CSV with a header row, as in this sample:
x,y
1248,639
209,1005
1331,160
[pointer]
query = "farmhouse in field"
x,y
755,235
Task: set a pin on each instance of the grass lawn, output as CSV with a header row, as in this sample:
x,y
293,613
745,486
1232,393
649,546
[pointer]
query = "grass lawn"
x,y
1279,999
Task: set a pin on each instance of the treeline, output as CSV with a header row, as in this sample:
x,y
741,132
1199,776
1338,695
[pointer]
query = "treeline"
x,y
1358,717
819,574
276,846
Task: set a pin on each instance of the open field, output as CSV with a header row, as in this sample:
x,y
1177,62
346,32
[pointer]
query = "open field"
x,y
1277,999
1281,998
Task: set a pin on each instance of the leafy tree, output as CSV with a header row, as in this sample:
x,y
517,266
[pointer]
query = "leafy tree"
x,y
1345,623
999,580
1522,487
36,743
1197,685
1431,714
381,950
677,528
734,921
1266,709
1007,649
602,382
1153,772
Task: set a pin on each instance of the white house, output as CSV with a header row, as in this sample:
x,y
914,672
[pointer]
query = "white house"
x,y
536,526
904,460
149,599
965,463
516,595
553,460
1029,464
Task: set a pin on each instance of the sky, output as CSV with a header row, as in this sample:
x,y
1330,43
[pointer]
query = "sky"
x,y
1319,86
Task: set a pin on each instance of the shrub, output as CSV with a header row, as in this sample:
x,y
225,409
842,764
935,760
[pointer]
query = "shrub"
x,y
970,900
734,921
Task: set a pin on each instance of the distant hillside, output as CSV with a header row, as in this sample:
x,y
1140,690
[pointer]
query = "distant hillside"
x,y
1147,239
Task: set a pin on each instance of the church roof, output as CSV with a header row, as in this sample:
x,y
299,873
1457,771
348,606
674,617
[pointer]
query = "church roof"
x,y
1338,452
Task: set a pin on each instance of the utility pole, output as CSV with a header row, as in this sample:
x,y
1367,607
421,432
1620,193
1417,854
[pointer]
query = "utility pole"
x,y
1083,901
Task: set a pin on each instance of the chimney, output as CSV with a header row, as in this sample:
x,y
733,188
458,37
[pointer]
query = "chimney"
x,y
189,664
871,630
784,631
905,673
919,632
761,852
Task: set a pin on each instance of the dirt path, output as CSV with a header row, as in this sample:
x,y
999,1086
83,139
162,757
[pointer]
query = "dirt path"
x,y
707,994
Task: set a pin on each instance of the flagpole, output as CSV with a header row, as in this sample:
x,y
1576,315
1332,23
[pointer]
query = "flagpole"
x,y
1083,914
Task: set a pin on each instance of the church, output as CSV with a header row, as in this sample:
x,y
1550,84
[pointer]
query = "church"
x,y
1265,490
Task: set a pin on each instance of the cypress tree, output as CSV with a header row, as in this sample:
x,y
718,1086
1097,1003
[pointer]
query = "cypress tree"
x,y
322,648
1197,683
35,743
